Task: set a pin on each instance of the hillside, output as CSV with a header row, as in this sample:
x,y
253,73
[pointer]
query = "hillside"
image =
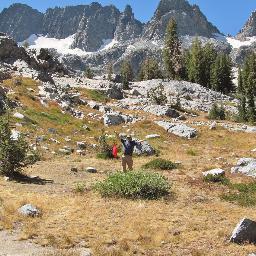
x,y
74,81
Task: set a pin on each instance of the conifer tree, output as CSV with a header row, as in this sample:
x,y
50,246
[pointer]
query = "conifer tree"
x,y
149,70
242,109
209,57
195,64
110,72
172,54
88,73
221,74
126,74
240,88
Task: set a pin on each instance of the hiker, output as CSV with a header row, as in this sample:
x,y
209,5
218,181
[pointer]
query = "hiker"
x,y
128,148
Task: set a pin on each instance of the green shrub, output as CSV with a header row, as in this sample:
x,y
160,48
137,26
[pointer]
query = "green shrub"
x,y
160,164
217,178
217,113
158,95
134,185
79,187
32,157
105,150
13,153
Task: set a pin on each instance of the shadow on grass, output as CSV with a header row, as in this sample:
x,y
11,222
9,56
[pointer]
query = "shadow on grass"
x,y
25,179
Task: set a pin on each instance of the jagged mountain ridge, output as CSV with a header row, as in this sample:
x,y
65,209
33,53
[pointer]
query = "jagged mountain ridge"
x,y
249,29
94,23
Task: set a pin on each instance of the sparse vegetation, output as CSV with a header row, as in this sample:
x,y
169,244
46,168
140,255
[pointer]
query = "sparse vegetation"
x,y
134,185
217,178
217,113
79,187
160,164
192,152
241,194
105,150
158,95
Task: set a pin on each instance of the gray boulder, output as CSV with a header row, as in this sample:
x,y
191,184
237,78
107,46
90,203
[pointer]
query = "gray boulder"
x,y
113,119
144,148
180,130
245,166
162,111
29,210
245,232
115,92
214,172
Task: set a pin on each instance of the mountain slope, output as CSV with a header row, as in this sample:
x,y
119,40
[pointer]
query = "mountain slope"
x,y
249,29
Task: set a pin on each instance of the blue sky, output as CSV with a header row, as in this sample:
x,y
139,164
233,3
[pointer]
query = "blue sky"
x,y
228,15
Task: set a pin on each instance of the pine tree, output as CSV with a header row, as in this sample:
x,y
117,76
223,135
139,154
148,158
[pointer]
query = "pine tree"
x,y
88,73
172,54
209,57
195,64
251,98
110,72
149,70
240,88
221,74
126,74
242,110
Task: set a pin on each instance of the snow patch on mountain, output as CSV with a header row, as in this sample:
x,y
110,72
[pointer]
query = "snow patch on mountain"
x,y
235,43
62,46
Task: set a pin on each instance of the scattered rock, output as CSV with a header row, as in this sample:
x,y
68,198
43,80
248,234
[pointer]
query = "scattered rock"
x,y
144,148
180,130
152,136
115,92
162,111
74,169
245,166
81,145
18,115
213,126
91,169
245,232
214,172
29,210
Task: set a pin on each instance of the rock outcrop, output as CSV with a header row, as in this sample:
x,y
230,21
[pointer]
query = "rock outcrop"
x,y
249,28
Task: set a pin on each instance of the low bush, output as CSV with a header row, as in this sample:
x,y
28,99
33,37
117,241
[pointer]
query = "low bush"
x,y
217,113
160,164
217,178
134,185
105,150
79,187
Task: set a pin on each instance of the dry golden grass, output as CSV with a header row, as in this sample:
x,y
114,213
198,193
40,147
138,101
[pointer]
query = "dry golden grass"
x,y
193,221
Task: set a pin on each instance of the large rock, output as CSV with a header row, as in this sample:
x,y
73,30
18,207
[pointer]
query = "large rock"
x,y
144,148
214,172
113,119
245,232
245,166
29,210
115,92
162,111
180,130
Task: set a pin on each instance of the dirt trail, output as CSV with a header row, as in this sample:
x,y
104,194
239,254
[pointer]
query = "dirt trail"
x,y
11,246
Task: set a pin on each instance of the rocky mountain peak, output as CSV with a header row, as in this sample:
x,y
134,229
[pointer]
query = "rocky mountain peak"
x,y
191,21
166,6
249,28
20,21
128,11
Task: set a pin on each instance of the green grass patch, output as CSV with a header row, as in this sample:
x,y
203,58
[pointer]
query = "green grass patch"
x,y
160,164
192,152
134,185
217,179
241,194
97,95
